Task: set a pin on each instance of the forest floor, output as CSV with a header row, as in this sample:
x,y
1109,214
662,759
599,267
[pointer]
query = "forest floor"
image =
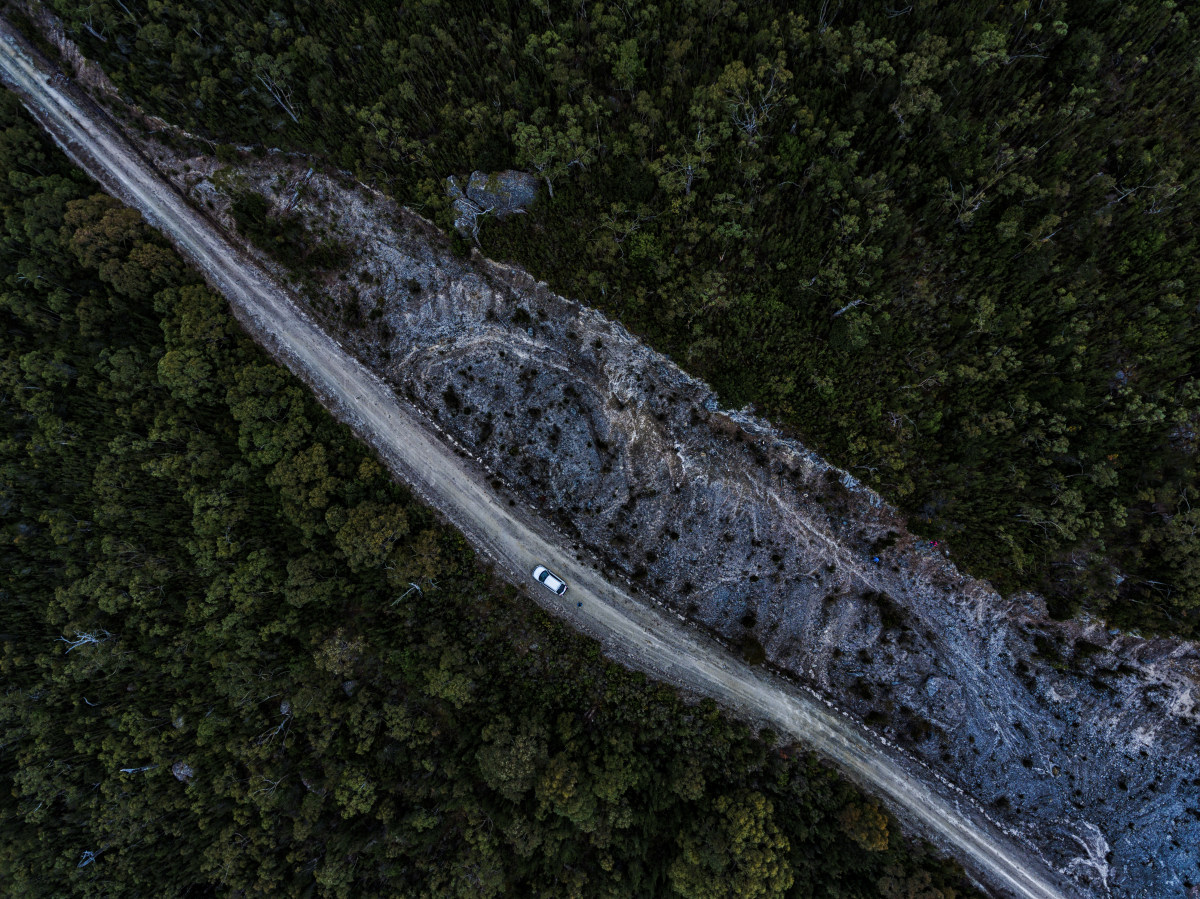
x,y
576,447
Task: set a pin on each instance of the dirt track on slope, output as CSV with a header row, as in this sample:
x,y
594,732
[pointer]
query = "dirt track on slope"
x,y
515,541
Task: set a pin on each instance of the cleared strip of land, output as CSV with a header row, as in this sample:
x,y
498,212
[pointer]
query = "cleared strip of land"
x,y
515,541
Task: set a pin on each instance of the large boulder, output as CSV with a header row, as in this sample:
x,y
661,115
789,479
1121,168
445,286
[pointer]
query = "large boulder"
x,y
500,194
503,192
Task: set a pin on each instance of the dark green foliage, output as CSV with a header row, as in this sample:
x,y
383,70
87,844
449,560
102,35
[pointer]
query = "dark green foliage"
x,y
284,237
953,246
238,659
752,650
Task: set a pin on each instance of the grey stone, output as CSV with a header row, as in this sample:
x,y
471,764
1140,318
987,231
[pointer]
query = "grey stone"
x,y
506,193
500,194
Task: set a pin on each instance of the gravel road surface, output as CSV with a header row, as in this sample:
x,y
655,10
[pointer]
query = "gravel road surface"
x,y
514,540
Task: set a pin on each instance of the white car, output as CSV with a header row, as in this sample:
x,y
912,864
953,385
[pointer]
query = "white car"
x,y
543,575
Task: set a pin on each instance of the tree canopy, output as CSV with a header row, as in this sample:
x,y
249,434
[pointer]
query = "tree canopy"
x,y
219,677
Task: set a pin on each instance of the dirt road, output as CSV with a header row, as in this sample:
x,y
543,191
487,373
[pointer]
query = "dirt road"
x,y
516,541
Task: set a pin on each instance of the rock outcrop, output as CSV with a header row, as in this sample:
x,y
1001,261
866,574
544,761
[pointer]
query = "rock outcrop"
x,y
500,194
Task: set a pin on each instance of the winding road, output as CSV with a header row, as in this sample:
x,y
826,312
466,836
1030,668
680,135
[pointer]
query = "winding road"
x,y
635,632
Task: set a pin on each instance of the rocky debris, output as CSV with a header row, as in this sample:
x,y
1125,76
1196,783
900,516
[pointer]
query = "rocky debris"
x,y
1083,740
500,194
183,771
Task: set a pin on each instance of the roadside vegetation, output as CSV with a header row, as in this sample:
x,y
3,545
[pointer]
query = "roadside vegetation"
x,y
953,246
237,658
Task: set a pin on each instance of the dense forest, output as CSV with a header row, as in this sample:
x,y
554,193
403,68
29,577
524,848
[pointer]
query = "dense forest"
x,y
238,659
951,245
